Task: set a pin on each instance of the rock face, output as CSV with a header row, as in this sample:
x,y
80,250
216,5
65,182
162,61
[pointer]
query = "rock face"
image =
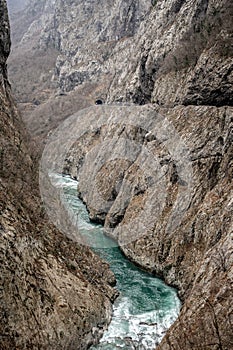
x,y
49,298
159,176
161,182
178,224
86,34
32,55
180,51
5,42
56,52
181,55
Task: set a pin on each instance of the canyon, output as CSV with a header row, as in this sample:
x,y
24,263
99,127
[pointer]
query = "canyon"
x,y
154,162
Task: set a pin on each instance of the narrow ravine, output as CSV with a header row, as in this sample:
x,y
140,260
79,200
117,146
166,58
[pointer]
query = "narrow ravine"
x,y
146,307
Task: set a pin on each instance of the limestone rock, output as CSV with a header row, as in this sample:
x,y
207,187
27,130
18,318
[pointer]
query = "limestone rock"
x,y
160,179
175,221
83,33
57,54
182,54
87,32
49,297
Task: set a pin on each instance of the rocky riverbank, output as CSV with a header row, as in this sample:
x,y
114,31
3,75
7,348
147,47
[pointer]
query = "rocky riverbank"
x,y
170,209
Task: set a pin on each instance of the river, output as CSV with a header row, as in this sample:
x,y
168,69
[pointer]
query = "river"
x,y
146,306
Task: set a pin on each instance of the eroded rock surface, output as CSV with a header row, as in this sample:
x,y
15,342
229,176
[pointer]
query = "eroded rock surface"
x,y
54,293
62,46
182,54
181,214
180,51
161,182
86,34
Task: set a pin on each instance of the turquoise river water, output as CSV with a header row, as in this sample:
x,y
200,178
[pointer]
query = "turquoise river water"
x,y
146,306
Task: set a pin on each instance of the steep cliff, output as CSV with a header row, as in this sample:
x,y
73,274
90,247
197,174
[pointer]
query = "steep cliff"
x,y
161,182
180,50
49,298
62,46
160,176
178,224
181,55
86,34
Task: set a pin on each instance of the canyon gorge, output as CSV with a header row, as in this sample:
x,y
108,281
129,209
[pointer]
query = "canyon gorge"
x,y
154,163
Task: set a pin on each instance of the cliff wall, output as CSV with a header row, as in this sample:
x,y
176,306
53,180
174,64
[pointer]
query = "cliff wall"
x,y
182,54
160,180
180,66
62,46
177,221
49,298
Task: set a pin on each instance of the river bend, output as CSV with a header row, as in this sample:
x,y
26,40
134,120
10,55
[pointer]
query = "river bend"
x,y
146,307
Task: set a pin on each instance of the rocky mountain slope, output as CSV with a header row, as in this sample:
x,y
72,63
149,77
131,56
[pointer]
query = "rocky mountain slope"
x,y
180,50
182,55
49,298
175,221
87,34
83,33
53,36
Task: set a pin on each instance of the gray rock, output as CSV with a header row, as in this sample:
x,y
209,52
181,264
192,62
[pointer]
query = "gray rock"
x,y
175,221
182,54
161,181
49,298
